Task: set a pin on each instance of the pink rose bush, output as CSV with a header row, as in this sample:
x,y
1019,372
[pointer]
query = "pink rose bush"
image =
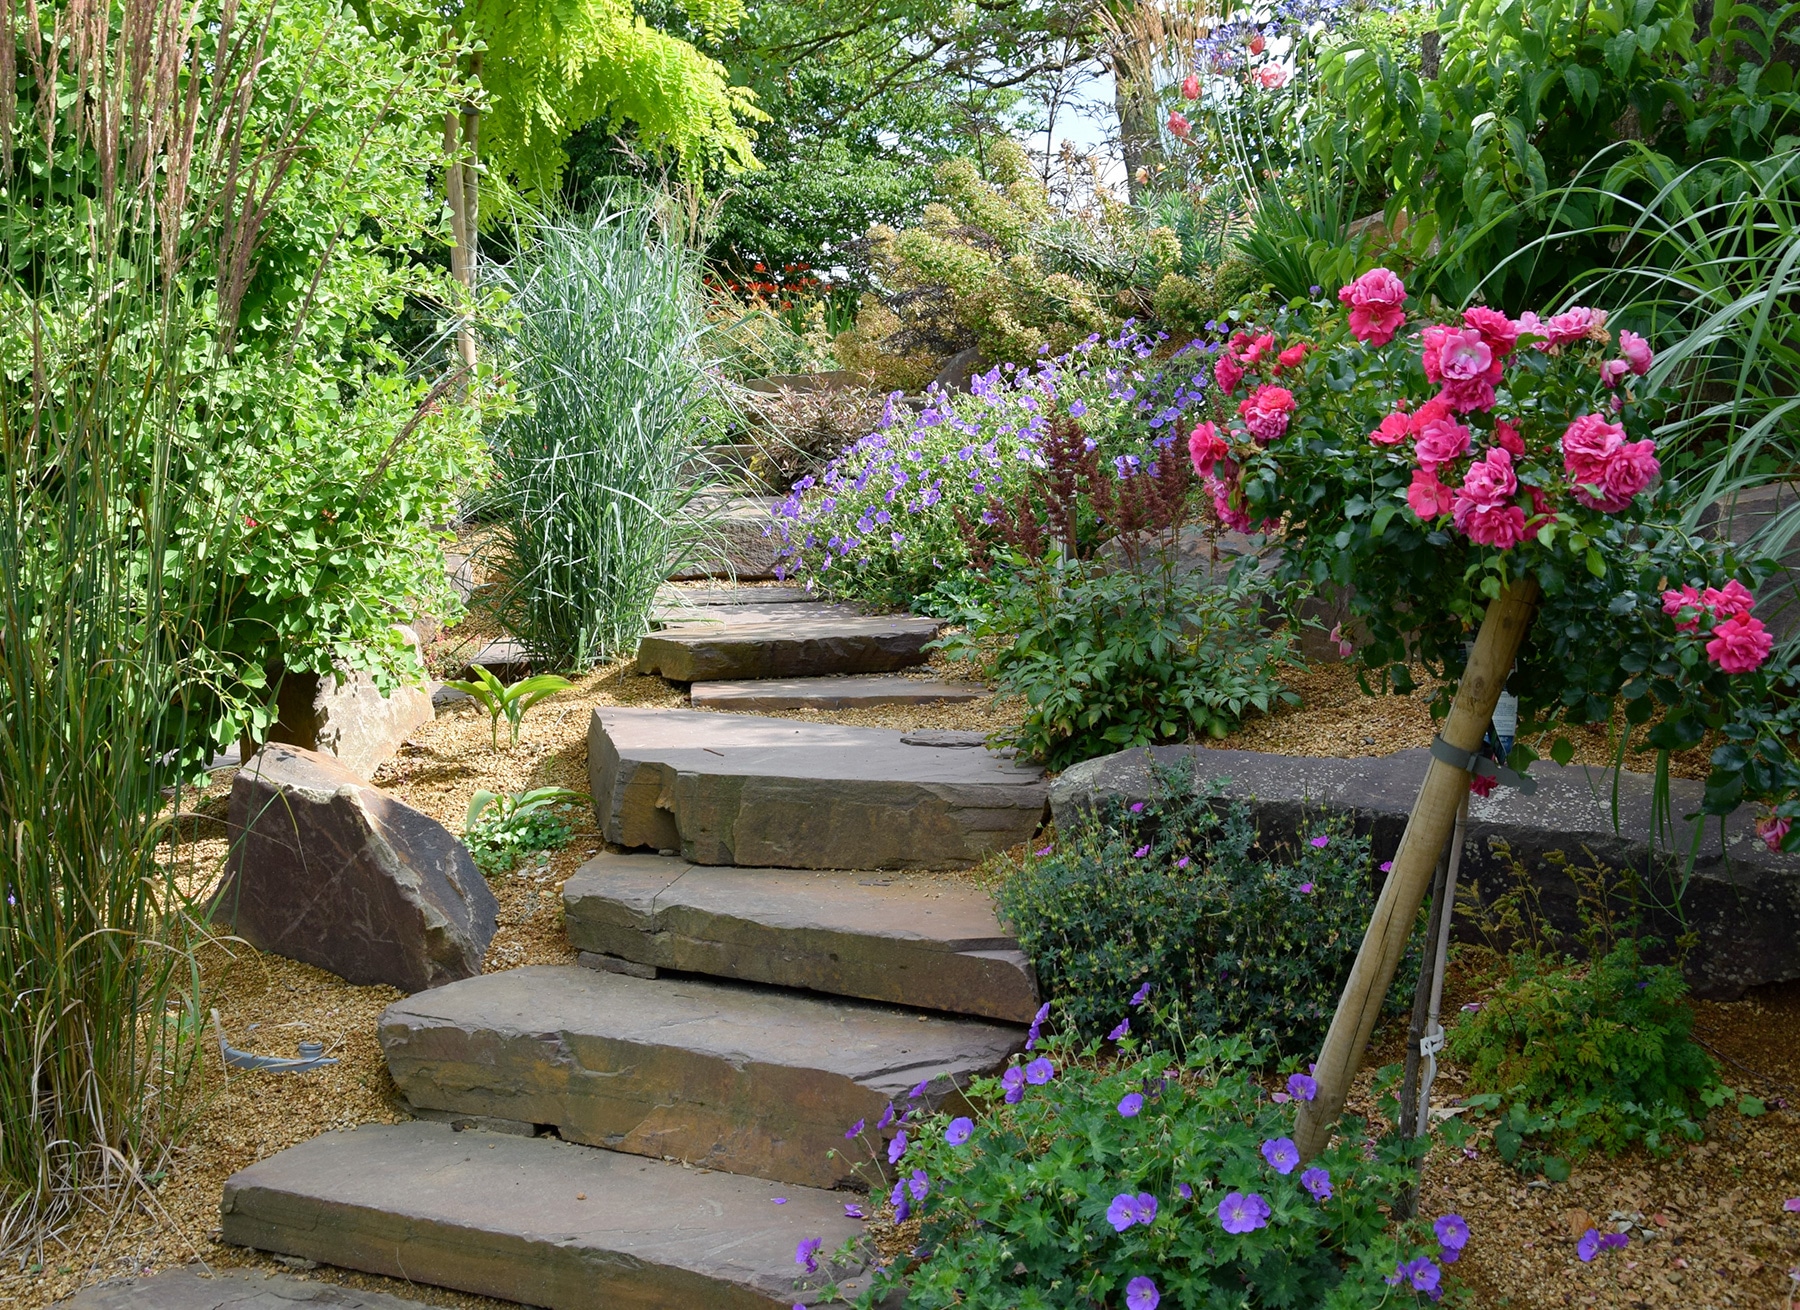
x,y
1426,463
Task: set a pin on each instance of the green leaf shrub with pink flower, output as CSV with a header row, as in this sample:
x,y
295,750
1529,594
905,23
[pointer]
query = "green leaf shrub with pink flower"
x,y
1427,460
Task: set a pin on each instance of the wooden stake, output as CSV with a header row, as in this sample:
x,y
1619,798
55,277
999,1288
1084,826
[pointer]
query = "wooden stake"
x,y
1433,818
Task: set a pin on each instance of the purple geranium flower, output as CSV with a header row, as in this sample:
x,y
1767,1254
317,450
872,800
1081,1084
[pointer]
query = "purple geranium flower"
x,y
1143,1208
901,1202
1186,1192
1141,851
853,1131
807,1253
918,1089
1122,1213
1306,889
1132,1103
1140,996
1014,1082
1141,1294
887,1116
1282,1154
1239,1213
1318,1182
1122,1031
959,1131
1320,843
854,1211
919,1184
1452,1233
897,1147
1301,1087
1137,807
1614,1241
1589,1245
1039,1072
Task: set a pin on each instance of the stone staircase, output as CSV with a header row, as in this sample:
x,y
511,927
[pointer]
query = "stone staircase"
x,y
770,957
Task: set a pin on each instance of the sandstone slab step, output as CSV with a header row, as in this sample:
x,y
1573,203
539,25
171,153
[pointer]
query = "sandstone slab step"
x,y
743,544
726,1076
830,693
705,597
741,789
762,643
534,1220
934,944
188,1289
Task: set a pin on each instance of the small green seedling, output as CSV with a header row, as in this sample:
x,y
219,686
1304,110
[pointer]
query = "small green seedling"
x,y
500,828
499,700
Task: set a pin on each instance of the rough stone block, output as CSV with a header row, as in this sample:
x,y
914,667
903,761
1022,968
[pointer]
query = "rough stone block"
x,y
744,542
326,869
189,1289
536,1221
738,789
1742,900
934,944
350,719
829,693
743,1079
807,643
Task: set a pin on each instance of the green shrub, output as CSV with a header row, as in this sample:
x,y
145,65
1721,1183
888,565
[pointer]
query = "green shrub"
x,y
501,830
1152,1180
1583,1056
1113,644
1172,892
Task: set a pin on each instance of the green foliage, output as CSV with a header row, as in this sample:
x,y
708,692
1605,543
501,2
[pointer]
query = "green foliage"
x,y
1021,1211
1576,1057
509,702
549,67
501,830
1176,894
594,477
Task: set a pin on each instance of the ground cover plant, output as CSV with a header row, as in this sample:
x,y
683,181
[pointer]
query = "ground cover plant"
x,y
1149,1179
594,474
1174,893
501,830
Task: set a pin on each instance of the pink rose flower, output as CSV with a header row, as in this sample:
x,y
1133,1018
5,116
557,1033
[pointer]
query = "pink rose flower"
x,y
1674,602
1230,517
1251,350
1733,598
1272,76
1206,448
1507,437
1463,361
1441,442
1499,331
1740,644
1637,352
1227,372
1292,356
1431,343
1772,828
1613,370
1266,412
1633,467
1483,508
1394,429
1178,125
1190,87
1376,301
1574,325
1591,448
1429,498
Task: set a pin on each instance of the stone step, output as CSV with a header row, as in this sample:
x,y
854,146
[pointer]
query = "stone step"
x,y
706,597
534,1220
830,693
741,789
722,1075
744,542
771,642
714,618
189,1289
929,943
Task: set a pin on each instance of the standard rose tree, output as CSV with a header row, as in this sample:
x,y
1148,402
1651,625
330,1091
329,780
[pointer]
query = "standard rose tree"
x,y
1497,479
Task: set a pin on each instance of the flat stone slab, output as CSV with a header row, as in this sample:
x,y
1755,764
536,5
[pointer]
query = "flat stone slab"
x,y
189,1289
744,542
934,944
743,1079
768,644
830,693
1742,899
679,598
741,789
534,1220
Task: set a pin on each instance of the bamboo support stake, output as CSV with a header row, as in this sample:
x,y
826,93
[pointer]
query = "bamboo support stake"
x,y
1429,827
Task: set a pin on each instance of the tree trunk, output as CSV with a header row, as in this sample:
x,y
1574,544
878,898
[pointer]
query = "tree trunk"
x,y
1139,141
1433,819
462,194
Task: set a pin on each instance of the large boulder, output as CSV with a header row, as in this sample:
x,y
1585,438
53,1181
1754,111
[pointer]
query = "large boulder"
x,y
348,716
1741,900
328,870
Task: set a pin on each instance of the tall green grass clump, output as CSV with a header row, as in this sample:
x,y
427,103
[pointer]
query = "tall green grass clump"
x,y
595,474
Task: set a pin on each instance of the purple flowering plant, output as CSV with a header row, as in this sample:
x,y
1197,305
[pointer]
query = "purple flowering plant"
x,y
1056,1199
885,522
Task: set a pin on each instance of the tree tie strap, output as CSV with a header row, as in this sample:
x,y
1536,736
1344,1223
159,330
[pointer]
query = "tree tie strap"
x,y
1476,763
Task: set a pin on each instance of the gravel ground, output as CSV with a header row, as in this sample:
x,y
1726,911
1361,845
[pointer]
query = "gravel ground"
x,y
1709,1229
